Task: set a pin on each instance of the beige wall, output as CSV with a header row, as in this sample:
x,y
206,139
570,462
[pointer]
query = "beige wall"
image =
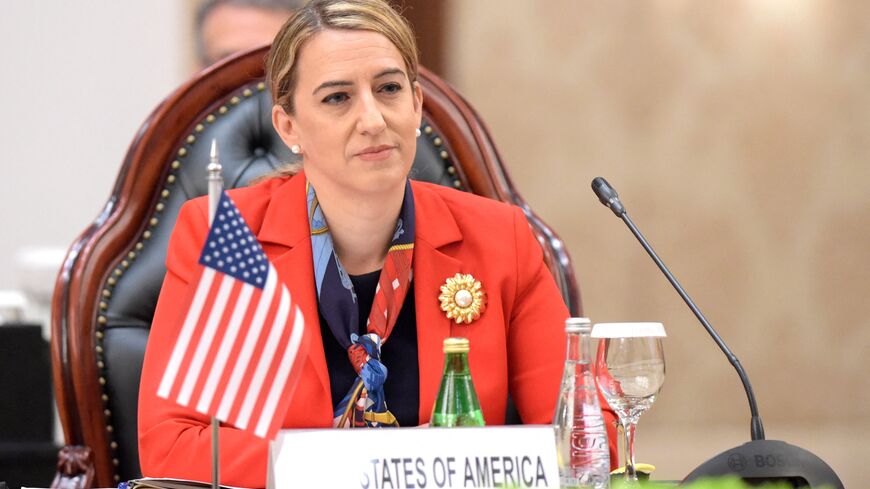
x,y
738,135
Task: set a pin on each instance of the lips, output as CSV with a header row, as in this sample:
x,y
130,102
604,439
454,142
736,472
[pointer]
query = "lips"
x,y
375,153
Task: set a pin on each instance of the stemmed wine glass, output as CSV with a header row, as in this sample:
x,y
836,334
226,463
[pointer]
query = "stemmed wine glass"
x,y
630,371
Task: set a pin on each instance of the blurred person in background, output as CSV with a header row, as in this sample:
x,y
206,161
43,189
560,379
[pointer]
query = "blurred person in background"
x,y
226,27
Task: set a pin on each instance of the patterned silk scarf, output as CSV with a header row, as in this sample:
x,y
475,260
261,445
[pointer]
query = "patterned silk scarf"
x,y
364,405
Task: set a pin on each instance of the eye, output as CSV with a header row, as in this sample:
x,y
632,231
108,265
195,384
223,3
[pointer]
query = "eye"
x,y
335,98
392,87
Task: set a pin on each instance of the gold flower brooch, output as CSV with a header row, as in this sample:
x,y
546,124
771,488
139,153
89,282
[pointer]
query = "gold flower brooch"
x,y
462,298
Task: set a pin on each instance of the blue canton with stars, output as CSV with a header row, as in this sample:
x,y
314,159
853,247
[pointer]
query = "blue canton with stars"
x,y
231,247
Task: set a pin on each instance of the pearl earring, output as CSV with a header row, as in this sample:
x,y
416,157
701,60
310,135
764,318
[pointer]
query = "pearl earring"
x,y
295,149
418,132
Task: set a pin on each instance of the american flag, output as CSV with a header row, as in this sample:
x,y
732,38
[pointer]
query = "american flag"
x,y
239,351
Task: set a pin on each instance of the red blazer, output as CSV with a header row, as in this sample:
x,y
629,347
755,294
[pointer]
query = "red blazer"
x,y
517,345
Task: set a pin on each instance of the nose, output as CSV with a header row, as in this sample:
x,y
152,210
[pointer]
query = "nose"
x,y
371,118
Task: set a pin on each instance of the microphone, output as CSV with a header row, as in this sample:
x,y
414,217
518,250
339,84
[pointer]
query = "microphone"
x,y
759,459
608,196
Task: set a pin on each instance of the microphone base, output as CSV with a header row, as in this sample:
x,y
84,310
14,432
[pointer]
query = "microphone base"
x,y
769,460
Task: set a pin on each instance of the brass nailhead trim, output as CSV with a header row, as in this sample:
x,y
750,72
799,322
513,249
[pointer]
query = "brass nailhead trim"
x,y
101,319
210,118
164,193
99,335
102,381
115,462
139,245
146,234
247,92
199,128
223,109
118,272
114,445
101,365
111,281
261,86
191,139
170,179
131,255
104,397
103,305
117,478
159,207
107,293
107,412
110,429
438,142
176,164
182,151
235,100
125,264
153,222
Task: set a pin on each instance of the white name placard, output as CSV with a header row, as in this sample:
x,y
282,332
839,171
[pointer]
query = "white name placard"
x,y
415,458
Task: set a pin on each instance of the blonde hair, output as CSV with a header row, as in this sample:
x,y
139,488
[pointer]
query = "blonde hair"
x,y
318,15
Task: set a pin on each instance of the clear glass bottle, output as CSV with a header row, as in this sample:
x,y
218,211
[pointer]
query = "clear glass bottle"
x,y
581,436
456,404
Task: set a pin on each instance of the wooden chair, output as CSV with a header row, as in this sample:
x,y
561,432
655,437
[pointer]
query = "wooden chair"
x,y
107,289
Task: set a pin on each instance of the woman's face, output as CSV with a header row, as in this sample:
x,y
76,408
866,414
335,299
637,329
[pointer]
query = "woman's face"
x,y
356,113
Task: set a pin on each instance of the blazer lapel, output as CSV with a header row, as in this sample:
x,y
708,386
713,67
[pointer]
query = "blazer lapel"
x,y
435,228
285,236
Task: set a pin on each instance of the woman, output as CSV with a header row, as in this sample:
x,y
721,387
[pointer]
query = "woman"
x,y
343,75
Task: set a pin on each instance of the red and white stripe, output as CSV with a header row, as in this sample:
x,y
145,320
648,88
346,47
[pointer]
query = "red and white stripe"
x,y
238,353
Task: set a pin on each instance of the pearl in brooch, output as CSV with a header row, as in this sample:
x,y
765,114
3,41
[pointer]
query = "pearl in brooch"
x,y
462,298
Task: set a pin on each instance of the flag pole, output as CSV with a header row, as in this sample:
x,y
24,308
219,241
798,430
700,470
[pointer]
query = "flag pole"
x,y
215,187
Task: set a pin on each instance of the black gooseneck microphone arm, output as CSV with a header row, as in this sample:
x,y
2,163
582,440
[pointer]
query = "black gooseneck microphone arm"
x,y
608,196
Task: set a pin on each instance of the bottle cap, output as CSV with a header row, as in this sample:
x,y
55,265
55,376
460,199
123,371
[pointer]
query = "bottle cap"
x,y
456,345
578,325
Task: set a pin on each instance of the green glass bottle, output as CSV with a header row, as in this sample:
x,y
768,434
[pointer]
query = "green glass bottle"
x,y
456,404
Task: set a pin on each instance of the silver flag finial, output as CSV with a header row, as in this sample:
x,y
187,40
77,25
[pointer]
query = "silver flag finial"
x,y
215,180
214,164
213,154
